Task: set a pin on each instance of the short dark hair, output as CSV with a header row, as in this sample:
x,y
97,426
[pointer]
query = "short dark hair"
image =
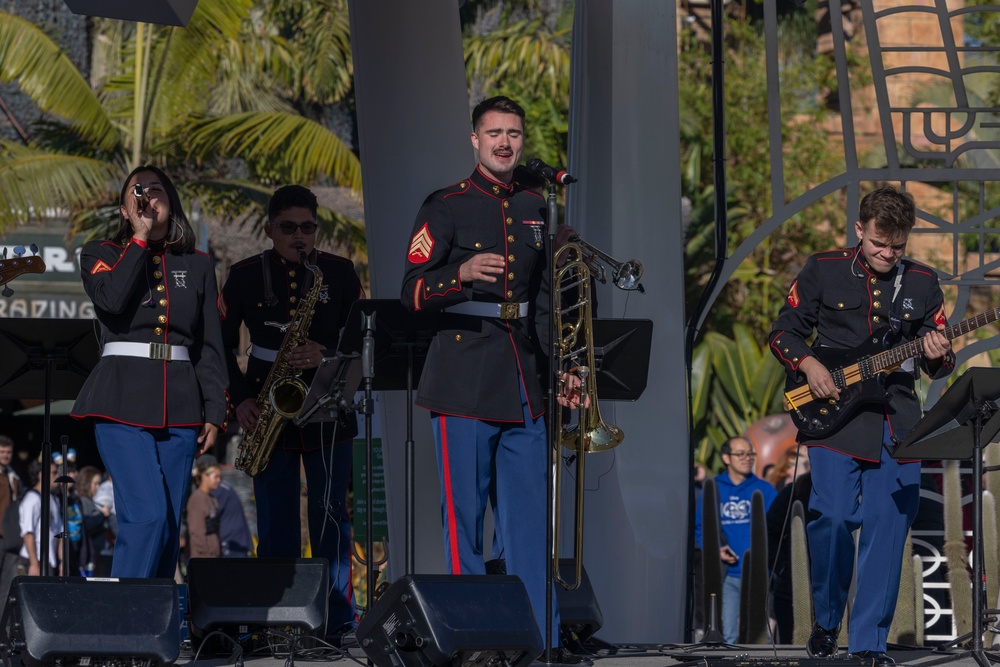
x,y
727,446
499,103
291,196
894,212
6,441
180,236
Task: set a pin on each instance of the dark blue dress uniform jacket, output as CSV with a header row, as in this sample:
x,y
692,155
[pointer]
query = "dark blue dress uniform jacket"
x,y
243,301
838,295
146,295
474,363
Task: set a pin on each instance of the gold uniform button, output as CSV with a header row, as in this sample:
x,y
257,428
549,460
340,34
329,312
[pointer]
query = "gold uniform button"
x,y
795,360
786,350
872,280
294,285
506,204
453,281
510,258
293,299
157,274
162,319
510,221
496,189
161,287
157,259
291,274
478,245
906,316
876,319
538,244
458,336
510,239
427,288
840,304
163,302
510,294
510,276
877,292
158,331
877,304
440,284
292,311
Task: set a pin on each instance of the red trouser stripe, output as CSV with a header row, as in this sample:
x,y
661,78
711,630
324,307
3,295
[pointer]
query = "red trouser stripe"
x,y
456,564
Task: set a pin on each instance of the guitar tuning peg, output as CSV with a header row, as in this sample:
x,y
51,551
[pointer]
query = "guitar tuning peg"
x,y
7,291
18,250
34,249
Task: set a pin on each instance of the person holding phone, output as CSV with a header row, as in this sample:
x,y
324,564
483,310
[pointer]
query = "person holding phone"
x,y
736,487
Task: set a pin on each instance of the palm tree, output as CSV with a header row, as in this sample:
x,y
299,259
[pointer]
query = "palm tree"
x,y
224,96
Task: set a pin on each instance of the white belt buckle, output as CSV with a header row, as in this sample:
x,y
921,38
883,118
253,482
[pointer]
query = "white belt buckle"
x,y
159,351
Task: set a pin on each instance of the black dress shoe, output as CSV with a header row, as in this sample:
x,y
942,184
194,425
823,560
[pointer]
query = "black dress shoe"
x,y
875,658
822,643
560,656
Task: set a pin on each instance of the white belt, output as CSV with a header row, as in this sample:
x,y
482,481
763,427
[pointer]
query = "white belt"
x,y
160,351
507,310
263,353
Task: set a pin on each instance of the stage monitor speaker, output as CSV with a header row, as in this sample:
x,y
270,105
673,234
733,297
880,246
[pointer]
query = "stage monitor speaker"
x,y
76,621
166,12
237,595
424,620
579,612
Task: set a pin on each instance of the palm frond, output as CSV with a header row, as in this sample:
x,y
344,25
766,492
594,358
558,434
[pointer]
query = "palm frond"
x,y
35,183
45,74
522,51
285,146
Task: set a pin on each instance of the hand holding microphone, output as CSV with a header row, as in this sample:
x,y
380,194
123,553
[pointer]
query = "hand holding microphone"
x,y
551,174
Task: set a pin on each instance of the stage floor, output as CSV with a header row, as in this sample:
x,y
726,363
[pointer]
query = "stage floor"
x,y
672,655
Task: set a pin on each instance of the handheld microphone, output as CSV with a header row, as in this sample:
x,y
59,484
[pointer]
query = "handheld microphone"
x,y
140,196
551,174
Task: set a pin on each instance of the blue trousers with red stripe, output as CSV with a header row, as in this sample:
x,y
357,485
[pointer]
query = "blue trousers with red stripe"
x,y
881,498
151,471
511,459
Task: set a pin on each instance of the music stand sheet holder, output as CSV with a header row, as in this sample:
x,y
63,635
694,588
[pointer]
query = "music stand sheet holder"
x,y
958,427
46,358
332,390
621,354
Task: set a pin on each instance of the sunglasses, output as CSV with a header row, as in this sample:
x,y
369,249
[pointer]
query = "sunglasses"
x,y
288,227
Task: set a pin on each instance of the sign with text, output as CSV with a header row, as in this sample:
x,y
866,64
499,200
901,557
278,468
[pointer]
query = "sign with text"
x,y
380,526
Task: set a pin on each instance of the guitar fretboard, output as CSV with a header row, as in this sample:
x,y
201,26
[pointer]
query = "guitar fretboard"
x,y
900,353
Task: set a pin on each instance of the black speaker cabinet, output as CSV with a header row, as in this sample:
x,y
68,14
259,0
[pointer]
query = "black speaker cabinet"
x,y
75,621
237,595
424,620
166,12
578,609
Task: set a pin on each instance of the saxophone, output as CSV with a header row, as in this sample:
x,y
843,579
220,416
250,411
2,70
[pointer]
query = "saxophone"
x,y
284,393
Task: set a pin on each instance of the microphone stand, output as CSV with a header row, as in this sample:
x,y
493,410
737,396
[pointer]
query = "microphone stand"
x,y
554,371
368,374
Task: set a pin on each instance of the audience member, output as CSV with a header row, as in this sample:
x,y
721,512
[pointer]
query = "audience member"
x,y
793,462
203,512
234,531
31,523
10,488
106,496
95,524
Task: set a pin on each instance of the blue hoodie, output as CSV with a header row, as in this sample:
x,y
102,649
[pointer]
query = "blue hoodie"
x,y
734,514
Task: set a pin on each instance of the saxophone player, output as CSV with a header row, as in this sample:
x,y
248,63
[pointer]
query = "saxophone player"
x,y
263,292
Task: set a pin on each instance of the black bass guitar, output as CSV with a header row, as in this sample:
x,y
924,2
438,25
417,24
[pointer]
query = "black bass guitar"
x,y
859,374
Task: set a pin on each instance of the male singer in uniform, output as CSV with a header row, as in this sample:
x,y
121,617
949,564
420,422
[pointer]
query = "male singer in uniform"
x,y
479,255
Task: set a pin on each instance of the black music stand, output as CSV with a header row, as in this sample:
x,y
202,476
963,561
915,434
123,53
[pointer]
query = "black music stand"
x,y
48,359
392,343
964,418
621,353
332,390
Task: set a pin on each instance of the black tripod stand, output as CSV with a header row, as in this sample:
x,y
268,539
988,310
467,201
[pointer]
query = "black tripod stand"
x,y
956,428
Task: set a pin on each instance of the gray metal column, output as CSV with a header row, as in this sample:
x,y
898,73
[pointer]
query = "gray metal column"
x,y
413,125
624,148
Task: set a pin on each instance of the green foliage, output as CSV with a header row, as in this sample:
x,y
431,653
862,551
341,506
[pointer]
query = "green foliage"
x,y
734,383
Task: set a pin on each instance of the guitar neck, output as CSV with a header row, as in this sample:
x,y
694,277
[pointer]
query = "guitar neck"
x,y
900,353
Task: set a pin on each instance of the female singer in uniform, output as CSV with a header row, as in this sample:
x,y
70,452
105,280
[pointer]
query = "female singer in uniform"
x,y
157,396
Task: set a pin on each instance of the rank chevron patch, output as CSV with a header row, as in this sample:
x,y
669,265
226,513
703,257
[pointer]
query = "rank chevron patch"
x,y
100,267
421,246
793,295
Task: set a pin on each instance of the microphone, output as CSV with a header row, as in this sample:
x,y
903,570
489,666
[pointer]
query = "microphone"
x,y
141,199
536,166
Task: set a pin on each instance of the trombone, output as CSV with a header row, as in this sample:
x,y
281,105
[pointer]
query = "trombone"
x,y
574,332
